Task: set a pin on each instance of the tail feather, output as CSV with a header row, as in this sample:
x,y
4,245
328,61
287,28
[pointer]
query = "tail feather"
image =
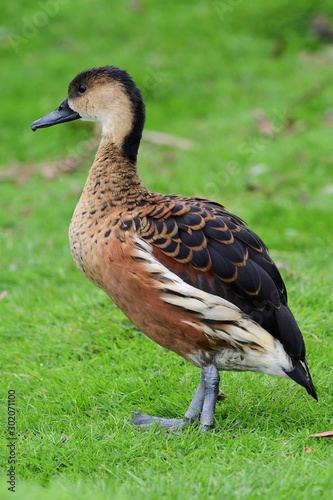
x,y
301,374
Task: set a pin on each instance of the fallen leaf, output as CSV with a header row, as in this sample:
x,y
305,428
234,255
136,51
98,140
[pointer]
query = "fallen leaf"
x,y
279,47
21,173
313,335
327,189
323,434
222,395
328,118
307,449
162,139
321,28
264,124
3,294
282,264
258,169
289,126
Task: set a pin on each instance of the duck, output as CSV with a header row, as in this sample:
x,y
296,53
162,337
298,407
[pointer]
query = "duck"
x,y
189,274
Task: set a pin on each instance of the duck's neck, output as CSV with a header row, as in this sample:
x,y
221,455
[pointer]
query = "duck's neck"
x,y
113,174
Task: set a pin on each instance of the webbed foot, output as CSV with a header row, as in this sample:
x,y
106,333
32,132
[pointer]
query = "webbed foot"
x,y
201,410
171,424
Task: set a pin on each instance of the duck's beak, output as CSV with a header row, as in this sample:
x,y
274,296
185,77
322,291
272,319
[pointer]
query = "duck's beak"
x,y
62,114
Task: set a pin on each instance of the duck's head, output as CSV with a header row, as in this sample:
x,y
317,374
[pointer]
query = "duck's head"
x,y
107,95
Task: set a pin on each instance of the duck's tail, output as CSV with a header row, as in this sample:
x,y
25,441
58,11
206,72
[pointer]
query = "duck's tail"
x,y
301,374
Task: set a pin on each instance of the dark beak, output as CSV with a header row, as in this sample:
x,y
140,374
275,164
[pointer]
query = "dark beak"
x,y
62,114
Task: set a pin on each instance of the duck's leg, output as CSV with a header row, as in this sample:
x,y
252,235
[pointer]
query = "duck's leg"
x,y
201,409
191,416
211,381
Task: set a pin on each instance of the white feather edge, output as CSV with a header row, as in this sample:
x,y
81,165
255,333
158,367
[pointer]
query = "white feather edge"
x,y
211,307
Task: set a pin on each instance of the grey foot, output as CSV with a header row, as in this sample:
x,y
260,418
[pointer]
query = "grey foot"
x,y
207,422
201,410
172,424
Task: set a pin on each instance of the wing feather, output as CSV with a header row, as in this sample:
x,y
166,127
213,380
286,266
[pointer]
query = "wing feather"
x,y
215,251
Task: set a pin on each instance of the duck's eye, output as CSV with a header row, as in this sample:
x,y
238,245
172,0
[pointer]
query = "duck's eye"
x,y
82,88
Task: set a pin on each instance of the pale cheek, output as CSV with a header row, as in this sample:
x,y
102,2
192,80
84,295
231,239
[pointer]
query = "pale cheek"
x,y
85,110
87,119
71,104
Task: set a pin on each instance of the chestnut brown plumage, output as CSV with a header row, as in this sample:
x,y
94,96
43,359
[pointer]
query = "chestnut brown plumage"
x,y
192,276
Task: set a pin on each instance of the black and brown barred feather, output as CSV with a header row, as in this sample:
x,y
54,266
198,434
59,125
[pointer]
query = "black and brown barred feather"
x,y
216,252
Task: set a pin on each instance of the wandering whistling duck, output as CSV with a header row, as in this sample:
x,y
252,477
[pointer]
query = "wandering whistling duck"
x,y
189,274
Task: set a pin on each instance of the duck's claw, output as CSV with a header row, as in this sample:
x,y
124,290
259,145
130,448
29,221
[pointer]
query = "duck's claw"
x,y
172,424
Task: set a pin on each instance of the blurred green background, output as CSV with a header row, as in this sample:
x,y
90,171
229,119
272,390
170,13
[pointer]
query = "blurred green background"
x,y
249,85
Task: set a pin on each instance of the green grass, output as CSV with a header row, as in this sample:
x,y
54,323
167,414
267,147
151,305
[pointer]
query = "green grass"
x,y
77,364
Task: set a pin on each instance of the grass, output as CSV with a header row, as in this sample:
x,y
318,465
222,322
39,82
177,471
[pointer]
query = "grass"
x,y
77,364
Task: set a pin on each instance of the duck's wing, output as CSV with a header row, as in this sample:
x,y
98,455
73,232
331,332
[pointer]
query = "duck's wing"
x,y
214,251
